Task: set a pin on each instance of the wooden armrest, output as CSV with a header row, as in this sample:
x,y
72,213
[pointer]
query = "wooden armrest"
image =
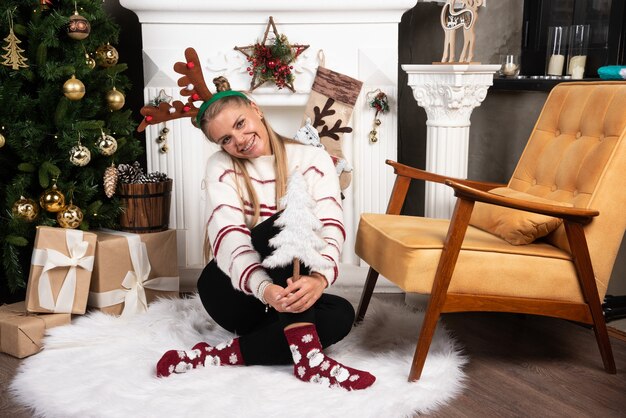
x,y
417,174
577,215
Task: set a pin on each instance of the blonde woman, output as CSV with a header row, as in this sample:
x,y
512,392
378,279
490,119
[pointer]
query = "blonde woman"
x,y
278,321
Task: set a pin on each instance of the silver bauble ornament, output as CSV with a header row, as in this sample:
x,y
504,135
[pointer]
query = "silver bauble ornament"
x,y
80,155
107,145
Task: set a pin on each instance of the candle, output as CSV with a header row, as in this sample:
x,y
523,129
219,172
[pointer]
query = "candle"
x,y
509,69
555,66
577,66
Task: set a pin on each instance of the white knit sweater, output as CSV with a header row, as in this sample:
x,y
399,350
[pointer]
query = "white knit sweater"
x,y
227,231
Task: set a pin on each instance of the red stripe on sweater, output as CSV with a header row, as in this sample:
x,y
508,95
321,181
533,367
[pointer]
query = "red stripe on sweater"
x,y
330,198
335,270
219,208
231,171
335,223
263,206
317,170
225,231
232,261
245,276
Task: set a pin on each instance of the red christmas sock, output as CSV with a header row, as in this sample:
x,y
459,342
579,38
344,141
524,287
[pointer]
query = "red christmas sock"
x,y
202,354
312,365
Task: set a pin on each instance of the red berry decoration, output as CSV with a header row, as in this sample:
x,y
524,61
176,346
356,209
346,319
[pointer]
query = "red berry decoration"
x,y
190,65
186,108
148,118
195,96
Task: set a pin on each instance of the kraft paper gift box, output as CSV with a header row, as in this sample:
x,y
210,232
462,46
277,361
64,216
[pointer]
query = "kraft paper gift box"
x,y
60,270
132,270
21,333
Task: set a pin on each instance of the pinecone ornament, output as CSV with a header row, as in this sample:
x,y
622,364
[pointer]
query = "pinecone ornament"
x,y
110,181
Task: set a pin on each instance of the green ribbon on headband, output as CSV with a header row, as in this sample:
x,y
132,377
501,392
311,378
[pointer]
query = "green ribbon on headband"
x,y
217,96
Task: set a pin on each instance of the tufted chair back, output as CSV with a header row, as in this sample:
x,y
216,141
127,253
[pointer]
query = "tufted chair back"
x,y
586,128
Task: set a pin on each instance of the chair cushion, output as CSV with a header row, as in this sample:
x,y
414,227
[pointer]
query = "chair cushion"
x,y
406,251
517,227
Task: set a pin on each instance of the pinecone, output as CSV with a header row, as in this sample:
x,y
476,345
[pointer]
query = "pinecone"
x,y
129,173
155,177
110,181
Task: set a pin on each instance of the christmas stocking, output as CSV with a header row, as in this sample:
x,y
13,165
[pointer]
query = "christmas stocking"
x,y
329,108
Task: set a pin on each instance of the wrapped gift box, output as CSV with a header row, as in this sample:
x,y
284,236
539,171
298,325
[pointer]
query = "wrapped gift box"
x,y
21,332
60,270
132,270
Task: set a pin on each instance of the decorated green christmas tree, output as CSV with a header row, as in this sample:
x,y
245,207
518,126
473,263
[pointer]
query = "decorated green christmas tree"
x,y
62,123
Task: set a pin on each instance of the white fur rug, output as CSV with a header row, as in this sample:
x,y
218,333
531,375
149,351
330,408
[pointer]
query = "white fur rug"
x,y
104,366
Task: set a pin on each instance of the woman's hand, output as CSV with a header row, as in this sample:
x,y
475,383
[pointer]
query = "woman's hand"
x,y
273,294
301,295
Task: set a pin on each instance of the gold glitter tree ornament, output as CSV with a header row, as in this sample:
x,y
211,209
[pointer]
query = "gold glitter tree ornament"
x,y
13,57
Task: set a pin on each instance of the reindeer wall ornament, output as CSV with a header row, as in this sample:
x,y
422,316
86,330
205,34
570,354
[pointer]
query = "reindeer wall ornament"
x,y
451,20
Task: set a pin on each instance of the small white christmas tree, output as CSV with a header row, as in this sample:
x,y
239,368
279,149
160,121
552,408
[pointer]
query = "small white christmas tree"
x,y
298,239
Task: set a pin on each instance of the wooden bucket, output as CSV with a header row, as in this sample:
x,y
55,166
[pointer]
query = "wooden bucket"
x,y
146,206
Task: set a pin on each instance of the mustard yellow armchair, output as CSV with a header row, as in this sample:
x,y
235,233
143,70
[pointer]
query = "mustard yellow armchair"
x,y
544,244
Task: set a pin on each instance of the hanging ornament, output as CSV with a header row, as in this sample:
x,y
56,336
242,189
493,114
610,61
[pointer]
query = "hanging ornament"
x,y
45,5
106,56
70,216
13,57
78,27
74,89
115,99
80,154
110,180
52,199
25,209
162,139
378,101
107,145
2,140
89,61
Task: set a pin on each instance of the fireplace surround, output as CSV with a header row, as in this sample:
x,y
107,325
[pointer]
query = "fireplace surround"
x,y
358,38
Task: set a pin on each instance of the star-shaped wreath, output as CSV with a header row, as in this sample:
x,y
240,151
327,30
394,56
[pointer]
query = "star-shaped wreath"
x,y
270,59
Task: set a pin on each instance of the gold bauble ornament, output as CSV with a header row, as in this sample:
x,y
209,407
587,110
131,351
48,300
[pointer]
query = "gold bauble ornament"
x,y
107,145
106,56
26,209
2,140
52,199
90,62
115,99
80,155
78,27
74,89
70,216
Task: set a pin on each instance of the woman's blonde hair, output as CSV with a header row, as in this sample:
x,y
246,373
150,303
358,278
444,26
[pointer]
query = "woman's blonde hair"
x,y
277,146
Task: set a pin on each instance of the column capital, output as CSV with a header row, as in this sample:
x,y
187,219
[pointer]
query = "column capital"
x,y
449,92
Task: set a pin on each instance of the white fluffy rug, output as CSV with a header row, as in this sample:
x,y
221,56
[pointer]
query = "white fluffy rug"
x,y
104,366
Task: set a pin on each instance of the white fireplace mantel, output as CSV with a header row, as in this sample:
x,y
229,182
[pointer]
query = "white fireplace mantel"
x,y
248,11
358,38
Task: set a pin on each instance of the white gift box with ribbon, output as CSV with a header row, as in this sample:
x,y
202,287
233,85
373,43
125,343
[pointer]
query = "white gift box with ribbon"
x,y
61,268
132,270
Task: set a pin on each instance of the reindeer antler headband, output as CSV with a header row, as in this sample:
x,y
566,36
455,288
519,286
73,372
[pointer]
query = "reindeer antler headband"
x,y
194,87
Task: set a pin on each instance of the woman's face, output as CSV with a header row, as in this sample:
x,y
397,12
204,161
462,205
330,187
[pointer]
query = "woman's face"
x,y
239,130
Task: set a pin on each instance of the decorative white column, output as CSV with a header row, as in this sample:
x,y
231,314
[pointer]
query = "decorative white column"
x,y
448,93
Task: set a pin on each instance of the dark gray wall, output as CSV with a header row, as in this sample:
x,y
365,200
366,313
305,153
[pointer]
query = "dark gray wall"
x,y
500,126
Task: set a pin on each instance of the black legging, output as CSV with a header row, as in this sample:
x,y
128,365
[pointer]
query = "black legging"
x,y
262,340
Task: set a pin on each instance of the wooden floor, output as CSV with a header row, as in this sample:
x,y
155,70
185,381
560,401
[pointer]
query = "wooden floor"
x,y
520,366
